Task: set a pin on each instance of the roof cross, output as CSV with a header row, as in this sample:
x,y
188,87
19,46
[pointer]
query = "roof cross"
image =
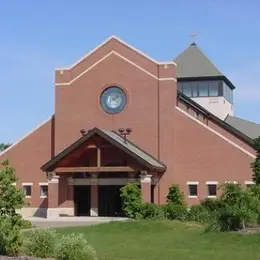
x,y
193,37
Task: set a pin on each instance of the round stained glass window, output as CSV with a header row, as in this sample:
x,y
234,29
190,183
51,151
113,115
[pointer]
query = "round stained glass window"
x,y
113,100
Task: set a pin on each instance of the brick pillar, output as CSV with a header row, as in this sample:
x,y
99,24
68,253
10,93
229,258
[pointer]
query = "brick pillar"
x,y
146,181
53,196
94,195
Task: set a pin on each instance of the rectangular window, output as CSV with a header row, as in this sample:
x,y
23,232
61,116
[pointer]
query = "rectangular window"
x,y
213,89
193,189
228,93
27,189
212,190
44,191
179,86
194,86
203,89
186,89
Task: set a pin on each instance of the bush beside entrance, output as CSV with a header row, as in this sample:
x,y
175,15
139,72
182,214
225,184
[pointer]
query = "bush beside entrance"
x,y
236,209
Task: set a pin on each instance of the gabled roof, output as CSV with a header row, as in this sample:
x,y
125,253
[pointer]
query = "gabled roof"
x,y
194,63
114,138
248,128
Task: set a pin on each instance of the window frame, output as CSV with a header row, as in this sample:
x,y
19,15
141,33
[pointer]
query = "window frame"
x,y
27,184
211,183
193,183
43,184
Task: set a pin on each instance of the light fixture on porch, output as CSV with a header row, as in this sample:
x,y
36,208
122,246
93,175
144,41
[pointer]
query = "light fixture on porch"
x,y
124,132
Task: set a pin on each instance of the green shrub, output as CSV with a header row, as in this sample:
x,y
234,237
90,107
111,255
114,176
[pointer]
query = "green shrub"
x,y
175,212
175,195
132,200
212,204
26,224
75,247
230,194
151,211
10,236
199,214
41,243
224,220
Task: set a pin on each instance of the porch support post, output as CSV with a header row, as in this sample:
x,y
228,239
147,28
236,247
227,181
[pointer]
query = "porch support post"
x,y
94,195
53,196
146,180
98,157
156,188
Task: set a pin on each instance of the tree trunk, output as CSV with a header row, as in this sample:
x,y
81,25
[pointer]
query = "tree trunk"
x,y
244,225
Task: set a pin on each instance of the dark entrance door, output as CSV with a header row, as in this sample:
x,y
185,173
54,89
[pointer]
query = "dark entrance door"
x,y
110,203
82,200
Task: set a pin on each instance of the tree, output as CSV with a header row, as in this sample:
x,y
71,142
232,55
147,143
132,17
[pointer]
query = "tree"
x,y
176,196
11,199
132,200
4,146
246,207
256,164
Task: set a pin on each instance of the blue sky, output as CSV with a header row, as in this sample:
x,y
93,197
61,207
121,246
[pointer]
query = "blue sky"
x,y
37,36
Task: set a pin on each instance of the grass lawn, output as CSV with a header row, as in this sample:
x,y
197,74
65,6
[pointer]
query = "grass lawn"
x,y
168,240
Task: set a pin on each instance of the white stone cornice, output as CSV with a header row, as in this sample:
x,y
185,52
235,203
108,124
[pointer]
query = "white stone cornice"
x,y
146,178
54,179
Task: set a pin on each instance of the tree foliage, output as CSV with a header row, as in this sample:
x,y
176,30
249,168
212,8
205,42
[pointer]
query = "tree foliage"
x,y
256,164
132,200
4,146
176,196
11,199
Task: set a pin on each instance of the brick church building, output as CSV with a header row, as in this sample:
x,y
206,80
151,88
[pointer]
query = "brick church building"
x,y
121,116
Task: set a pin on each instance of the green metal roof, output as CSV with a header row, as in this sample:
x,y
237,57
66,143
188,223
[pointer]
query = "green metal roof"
x,y
192,62
248,128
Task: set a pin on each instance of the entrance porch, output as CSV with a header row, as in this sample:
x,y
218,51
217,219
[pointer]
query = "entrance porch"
x,y
85,179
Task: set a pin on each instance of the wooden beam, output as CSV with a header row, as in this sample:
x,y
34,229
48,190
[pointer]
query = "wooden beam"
x,y
95,169
98,157
91,146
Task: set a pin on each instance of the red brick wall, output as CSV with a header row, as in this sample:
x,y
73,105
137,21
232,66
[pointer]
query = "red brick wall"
x,y
77,105
202,156
28,156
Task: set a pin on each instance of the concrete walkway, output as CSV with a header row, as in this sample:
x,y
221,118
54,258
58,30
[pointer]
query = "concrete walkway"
x,y
71,221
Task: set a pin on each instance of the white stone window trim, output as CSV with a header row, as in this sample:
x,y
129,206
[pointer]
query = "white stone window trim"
x,y
212,182
192,183
43,184
28,184
249,183
212,196
192,197
234,182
